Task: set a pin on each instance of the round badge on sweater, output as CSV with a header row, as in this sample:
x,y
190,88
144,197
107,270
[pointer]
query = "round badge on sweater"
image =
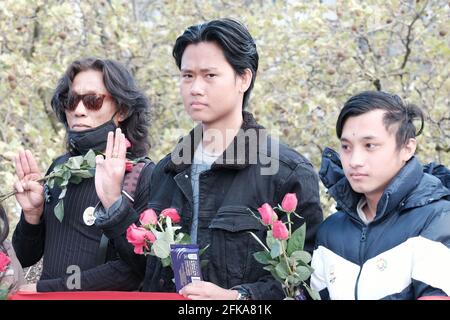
x,y
88,216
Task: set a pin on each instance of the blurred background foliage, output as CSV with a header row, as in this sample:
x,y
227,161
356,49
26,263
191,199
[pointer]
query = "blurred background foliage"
x,y
313,56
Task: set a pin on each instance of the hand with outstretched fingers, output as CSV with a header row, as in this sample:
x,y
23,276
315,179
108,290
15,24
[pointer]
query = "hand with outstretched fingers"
x,y
110,169
29,192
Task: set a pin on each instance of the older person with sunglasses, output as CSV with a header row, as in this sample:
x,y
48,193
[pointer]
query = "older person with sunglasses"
x,y
99,104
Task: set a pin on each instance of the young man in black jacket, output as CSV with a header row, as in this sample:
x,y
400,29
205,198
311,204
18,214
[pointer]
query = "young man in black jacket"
x,y
93,99
225,166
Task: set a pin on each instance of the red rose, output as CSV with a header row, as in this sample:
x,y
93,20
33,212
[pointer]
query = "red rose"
x,y
172,214
267,214
137,236
279,230
289,203
4,261
148,217
128,166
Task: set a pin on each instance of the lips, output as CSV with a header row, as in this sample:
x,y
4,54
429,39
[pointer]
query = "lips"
x,y
80,126
197,104
358,175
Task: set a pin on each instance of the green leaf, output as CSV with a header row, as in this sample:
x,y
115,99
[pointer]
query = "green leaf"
x,y
303,272
202,251
293,280
269,268
270,239
66,175
74,162
75,179
262,257
62,194
313,293
166,261
276,249
51,183
82,173
59,210
282,270
161,248
302,256
297,240
89,158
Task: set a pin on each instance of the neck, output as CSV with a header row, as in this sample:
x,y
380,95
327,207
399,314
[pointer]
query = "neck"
x,y
370,209
218,135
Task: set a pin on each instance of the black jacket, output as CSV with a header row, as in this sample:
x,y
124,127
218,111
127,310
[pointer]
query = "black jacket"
x,y
226,193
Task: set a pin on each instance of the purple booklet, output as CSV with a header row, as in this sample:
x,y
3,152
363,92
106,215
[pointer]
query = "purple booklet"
x,y
185,264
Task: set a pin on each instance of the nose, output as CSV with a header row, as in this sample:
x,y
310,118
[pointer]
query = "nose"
x,y
357,158
80,109
197,87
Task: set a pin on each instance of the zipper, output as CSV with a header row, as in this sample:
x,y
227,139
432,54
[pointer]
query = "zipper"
x,y
362,249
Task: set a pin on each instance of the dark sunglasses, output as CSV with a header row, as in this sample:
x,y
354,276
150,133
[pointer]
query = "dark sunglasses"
x,y
92,101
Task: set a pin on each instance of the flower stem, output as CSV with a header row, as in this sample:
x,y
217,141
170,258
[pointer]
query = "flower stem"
x,y
290,271
5,196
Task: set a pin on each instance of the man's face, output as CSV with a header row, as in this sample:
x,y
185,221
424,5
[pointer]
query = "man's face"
x,y
209,87
83,118
369,154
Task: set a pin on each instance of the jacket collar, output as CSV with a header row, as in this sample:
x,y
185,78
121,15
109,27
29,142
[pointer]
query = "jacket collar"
x,y
179,161
401,193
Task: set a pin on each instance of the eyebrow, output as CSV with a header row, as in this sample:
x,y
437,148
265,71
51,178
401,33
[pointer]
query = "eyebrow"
x,y
343,139
201,70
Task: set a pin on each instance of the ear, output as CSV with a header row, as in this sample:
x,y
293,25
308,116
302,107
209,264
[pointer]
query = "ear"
x,y
409,149
246,80
120,116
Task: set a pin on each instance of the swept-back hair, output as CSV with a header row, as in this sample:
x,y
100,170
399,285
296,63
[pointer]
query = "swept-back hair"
x,y
397,112
233,38
119,82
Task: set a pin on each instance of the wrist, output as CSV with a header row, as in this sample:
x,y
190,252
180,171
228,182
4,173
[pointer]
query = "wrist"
x,y
33,216
107,202
242,293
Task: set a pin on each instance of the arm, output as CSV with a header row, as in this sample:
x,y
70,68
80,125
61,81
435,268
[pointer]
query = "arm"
x,y
115,213
115,224
431,258
28,242
304,182
114,275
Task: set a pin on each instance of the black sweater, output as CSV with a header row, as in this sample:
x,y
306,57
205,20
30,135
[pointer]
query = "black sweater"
x,y
73,243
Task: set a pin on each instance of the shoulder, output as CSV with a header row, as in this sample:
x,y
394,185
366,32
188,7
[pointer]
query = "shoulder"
x,y
330,226
288,159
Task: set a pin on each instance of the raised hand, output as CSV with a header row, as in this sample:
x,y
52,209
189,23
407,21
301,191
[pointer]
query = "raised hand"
x,y
30,193
110,169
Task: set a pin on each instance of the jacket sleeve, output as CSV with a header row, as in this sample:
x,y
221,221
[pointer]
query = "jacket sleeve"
x,y
304,182
431,258
114,275
28,241
116,225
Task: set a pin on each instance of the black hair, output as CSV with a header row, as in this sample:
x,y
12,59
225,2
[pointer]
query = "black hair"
x,y
120,84
397,112
237,44
4,226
